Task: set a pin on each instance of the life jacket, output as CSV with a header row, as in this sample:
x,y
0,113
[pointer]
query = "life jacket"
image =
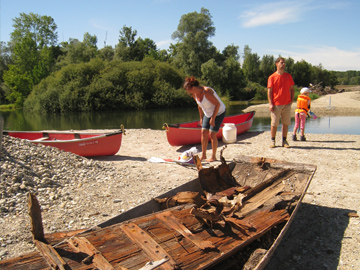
x,y
302,104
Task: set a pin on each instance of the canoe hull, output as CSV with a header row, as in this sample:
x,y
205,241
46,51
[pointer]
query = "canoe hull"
x,y
80,143
190,132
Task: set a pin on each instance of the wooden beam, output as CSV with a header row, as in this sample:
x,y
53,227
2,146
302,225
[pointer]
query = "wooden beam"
x,y
50,255
174,223
35,218
81,244
151,248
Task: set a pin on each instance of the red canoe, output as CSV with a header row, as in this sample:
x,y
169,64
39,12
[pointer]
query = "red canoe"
x,y
190,132
80,143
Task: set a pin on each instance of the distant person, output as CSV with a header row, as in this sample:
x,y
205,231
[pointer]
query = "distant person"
x,y
302,110
211,111
280,96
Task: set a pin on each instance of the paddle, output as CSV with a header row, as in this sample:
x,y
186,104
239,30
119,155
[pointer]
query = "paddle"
x,y
168,160
313,115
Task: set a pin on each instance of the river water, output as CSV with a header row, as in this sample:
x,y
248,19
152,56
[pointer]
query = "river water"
x,y
154,119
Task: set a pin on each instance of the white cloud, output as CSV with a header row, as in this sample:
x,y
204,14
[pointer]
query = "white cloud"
x,y
284,12
331,58
164,44
272,13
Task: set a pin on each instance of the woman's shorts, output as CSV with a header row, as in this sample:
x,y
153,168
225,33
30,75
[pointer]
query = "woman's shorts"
x,y
283,112
218,120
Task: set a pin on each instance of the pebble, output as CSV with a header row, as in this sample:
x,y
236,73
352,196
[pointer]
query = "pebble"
x,y
54,176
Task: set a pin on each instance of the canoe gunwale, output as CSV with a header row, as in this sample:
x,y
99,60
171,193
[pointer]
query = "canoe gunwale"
x,y
100,136
281,164
86,147
250,117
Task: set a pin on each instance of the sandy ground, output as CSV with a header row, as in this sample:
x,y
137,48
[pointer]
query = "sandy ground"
x,y
341,104
322,236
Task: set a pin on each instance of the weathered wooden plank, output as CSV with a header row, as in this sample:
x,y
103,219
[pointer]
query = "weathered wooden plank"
x,y
81,244
148,244
54,238
35,218
50,255
172,222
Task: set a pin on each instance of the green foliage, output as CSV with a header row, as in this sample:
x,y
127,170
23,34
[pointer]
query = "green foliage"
x,y
350,77
267,67
251,65
130,49
212,75
301,73
323,77
193,47
75,51
5,59
33,39
233,79
116,85
255,91
41,29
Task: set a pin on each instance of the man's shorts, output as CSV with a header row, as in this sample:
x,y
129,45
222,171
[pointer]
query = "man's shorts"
x,y
283,112
218,121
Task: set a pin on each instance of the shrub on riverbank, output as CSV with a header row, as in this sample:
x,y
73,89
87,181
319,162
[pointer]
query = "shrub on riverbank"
x,y
115,85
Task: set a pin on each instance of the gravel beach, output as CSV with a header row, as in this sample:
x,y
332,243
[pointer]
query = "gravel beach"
x,y
76,192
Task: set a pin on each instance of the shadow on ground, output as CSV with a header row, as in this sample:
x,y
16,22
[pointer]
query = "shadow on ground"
x,y
313,240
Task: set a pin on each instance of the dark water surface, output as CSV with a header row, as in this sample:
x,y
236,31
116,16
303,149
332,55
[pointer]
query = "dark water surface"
x,y
154,119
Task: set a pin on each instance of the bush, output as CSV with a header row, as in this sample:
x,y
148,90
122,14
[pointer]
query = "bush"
x,y
116,85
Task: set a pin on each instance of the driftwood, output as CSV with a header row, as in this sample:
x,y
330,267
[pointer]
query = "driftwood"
x,y
35,218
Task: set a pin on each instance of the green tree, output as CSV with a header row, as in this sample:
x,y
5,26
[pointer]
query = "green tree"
x,y
5,59
231,51
289,62
302,73
267,67
321,76
76,51
41,29
212,75
131,49
193,47
234,79
107,53
34,40
251,65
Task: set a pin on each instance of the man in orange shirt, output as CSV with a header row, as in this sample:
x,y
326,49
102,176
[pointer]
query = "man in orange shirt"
x,y
280,96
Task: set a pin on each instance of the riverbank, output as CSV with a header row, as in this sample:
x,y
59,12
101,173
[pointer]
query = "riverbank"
x,y
80,193
340,104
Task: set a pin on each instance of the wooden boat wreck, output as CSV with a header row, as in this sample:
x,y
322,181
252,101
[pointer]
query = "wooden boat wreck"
x,y
199,225
81,143
190,132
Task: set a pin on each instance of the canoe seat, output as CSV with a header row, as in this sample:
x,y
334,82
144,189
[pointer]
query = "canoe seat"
x,y
42,139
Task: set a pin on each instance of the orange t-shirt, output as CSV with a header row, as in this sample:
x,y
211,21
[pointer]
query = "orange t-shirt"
x,y
280,85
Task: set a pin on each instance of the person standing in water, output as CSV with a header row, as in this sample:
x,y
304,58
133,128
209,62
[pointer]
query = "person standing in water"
x,y
211,111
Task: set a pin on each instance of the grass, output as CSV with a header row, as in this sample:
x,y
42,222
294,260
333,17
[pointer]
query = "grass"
x,y
8,107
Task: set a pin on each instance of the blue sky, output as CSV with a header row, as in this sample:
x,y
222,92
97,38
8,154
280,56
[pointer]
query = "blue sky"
x,y
320,32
